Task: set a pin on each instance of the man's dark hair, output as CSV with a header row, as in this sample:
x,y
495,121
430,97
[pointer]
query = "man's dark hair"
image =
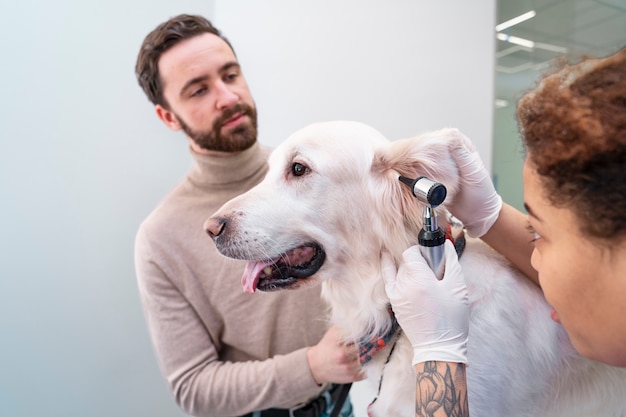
x,y
162,38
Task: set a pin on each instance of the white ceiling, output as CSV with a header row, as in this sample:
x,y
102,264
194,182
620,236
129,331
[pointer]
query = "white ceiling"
x,y
583,27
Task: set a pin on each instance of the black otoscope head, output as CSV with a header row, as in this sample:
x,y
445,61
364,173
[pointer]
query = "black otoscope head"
x,y
427,191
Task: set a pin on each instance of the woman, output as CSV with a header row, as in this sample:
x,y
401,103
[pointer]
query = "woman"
x,y
573,126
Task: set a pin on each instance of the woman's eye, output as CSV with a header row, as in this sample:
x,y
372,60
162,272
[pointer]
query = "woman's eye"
x,y
297,169
533,233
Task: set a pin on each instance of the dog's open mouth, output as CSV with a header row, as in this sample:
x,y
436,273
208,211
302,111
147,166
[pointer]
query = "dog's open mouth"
x,y
283,271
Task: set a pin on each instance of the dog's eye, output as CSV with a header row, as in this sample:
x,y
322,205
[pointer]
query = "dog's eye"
x,y
297,169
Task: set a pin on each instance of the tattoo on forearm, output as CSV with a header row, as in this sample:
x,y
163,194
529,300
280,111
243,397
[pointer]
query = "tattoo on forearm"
x,y
440,392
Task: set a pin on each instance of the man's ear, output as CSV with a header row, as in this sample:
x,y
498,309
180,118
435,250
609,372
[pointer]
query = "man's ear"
x,y
167,117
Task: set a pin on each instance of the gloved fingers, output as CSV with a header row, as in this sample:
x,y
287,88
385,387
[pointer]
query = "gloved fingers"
x,y
450,251
453,267
414,257
467,158
460,142
453,277
414,269
471,166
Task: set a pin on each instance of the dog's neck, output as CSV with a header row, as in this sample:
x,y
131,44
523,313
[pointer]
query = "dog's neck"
x,y
359,303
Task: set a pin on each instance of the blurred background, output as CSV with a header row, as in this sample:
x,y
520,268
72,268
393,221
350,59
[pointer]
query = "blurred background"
x,y
530,35
83,158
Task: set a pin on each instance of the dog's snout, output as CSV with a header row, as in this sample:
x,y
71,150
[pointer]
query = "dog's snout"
x,y
214,226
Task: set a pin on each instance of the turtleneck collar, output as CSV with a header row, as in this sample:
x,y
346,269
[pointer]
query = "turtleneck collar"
x,y
228,168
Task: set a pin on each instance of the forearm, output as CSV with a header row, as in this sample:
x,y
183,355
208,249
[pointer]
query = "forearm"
x,y
510,237
203,383
220,388
190,356
441,389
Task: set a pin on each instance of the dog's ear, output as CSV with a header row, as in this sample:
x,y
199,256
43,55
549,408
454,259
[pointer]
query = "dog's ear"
x,y
424,155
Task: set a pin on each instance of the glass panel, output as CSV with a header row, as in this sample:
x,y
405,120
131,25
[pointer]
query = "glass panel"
x,y
526,50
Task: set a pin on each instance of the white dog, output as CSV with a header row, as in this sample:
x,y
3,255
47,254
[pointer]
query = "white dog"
x,y
331,203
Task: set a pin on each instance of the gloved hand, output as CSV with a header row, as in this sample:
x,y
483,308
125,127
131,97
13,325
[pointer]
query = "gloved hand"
x,y
433,314
477,204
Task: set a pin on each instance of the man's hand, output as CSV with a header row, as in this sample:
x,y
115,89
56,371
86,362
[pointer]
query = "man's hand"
x,y
332,360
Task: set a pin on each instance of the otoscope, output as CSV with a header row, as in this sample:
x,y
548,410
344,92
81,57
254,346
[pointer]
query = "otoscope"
x,y
431,238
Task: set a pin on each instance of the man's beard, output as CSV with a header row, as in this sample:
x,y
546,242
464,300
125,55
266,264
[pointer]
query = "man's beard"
x,y
238,139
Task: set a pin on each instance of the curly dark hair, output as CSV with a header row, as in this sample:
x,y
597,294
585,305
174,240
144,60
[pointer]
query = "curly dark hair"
x,y
162,38
573,126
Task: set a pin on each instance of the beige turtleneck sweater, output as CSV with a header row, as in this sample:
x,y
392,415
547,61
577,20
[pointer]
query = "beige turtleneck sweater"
x,y
223,352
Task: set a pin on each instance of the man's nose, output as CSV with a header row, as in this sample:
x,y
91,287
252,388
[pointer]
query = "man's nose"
x,y
226,97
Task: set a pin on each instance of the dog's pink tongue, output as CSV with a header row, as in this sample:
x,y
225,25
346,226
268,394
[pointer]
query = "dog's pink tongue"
x,y
251,275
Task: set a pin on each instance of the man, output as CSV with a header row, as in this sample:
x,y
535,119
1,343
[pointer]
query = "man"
x,y
222,351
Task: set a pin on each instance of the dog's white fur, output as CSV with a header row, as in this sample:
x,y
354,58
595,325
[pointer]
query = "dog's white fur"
x,y
350,202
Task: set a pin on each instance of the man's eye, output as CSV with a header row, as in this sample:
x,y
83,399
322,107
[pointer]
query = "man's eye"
x,y
297,169
231,76
198,92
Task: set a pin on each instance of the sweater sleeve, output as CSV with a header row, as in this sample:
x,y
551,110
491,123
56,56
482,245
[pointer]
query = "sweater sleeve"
x,y
201,383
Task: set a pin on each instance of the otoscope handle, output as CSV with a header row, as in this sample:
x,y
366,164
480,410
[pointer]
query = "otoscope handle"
x,y
431,244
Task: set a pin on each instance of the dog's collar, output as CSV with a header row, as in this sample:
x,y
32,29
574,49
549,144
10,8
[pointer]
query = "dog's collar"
x,y
368,348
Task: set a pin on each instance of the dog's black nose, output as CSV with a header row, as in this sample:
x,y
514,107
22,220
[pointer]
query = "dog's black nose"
x,y
214,226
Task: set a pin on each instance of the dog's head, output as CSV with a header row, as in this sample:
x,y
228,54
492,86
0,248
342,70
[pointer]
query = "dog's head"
x,y
330,204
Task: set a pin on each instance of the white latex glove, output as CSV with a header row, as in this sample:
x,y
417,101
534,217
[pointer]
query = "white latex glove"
x,y
477,204
433,314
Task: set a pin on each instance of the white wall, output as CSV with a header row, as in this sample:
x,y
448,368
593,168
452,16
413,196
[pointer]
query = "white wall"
x,y
83,159
402,66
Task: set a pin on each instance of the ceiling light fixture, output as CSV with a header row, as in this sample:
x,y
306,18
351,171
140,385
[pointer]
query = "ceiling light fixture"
x,y
516,20
501,103
514,39
551,48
